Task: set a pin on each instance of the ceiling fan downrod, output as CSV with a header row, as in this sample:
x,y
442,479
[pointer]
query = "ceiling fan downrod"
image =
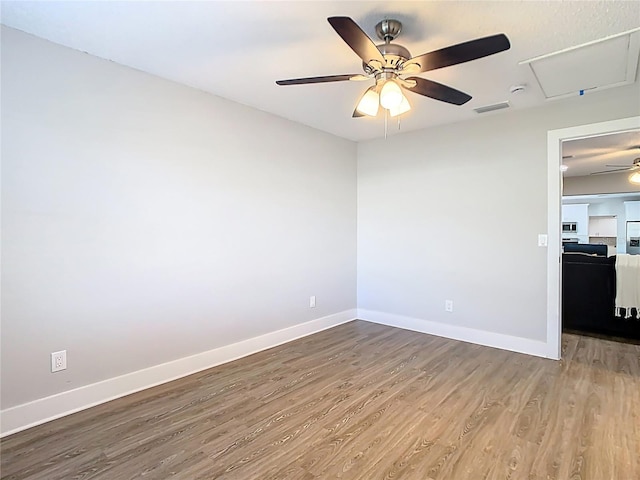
x,y
388,30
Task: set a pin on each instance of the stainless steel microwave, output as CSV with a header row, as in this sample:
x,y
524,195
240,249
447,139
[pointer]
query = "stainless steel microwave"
x,y
569,227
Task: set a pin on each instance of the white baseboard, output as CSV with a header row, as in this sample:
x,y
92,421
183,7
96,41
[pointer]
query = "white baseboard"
x,y
455,332
39,411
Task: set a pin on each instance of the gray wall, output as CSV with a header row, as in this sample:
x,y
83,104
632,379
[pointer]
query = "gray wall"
x,y
453,213
596,184
144,221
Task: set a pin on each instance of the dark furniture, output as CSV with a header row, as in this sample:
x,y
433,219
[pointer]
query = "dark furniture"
x,y
588,297
590,248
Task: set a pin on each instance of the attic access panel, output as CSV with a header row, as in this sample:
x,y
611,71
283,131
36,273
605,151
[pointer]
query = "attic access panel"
x,y
605,63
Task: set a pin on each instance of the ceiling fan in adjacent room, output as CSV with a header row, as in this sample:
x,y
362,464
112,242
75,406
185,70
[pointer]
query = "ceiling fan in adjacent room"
x,y
620,168
615,153
391,66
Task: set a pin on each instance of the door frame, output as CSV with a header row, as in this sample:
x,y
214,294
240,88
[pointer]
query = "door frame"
x,y
554,216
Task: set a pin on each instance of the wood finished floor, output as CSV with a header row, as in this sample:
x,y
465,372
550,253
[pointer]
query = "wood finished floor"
x,y
361,401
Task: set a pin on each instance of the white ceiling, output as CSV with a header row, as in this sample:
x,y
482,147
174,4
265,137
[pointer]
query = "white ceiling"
x,y
238,49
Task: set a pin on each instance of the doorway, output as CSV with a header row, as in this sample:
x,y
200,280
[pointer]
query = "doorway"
x,y
554,202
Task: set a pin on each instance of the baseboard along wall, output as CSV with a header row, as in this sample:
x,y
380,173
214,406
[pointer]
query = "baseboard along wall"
x,y
455,332
21,417
45,409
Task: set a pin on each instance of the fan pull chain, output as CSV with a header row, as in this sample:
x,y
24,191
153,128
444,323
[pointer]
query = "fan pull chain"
x,y
386,113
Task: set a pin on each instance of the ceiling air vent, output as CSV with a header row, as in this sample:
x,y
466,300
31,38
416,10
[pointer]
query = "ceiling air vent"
x,y
491,108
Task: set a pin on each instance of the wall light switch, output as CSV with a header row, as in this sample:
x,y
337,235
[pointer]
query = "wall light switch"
x,y
312,301
543,240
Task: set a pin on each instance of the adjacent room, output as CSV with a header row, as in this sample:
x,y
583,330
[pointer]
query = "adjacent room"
x,y
315,240
600,227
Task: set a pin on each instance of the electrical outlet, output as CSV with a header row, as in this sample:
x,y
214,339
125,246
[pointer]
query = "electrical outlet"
x,y
312,301
58,361
448,305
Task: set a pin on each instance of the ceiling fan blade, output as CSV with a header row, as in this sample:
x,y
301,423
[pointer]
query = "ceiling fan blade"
x,y
621,166
438,91
325,79
460,53
613,171
359,42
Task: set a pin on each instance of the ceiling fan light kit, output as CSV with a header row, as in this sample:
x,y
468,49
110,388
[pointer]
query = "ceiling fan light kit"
x,y
389,63
369,103
635,178
400,109
390,95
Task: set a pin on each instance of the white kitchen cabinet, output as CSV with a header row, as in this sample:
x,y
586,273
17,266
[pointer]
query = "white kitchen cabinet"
x,y
603,226
632,210
578,214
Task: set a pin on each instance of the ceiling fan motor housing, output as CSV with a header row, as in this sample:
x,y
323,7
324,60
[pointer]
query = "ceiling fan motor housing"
x,y
394,56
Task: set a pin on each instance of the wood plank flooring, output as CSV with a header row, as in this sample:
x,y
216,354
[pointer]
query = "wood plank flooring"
x,y
361,401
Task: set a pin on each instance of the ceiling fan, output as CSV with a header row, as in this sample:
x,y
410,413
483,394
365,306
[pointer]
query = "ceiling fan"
x,y
621,168
390,63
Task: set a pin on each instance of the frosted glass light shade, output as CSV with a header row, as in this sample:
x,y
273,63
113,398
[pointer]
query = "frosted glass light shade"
x,y
635,178
369,103
390,95
400,109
